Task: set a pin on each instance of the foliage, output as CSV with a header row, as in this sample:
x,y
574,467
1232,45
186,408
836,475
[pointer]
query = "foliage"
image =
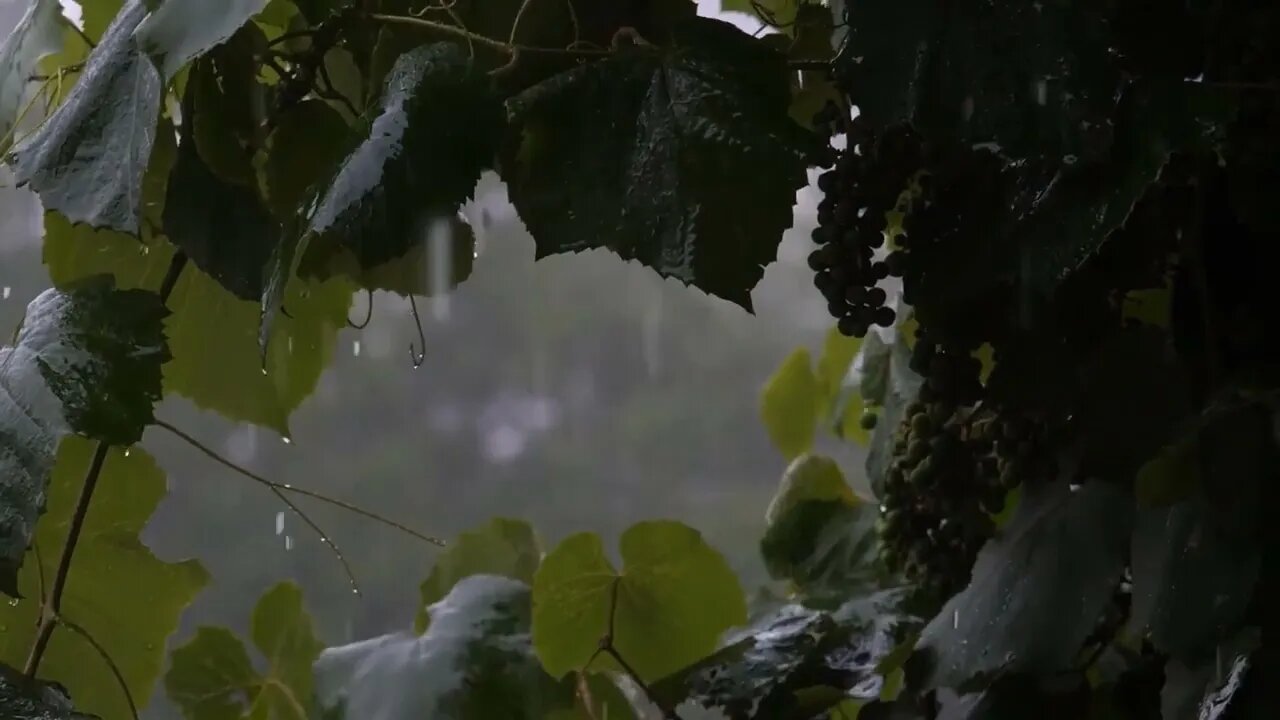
x,y
1067,495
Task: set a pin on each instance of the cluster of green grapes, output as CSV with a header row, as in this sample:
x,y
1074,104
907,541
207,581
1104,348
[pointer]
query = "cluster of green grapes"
x,y
859,190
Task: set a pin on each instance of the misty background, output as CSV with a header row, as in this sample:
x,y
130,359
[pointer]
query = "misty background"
x,y
580,392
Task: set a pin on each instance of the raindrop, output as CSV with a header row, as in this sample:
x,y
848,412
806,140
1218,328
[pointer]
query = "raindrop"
x,y
955,619
355,348
287,486
264,371
1074,487
127,451
286,440
13,602
1042,91
6,292
288,543
355,591
279,522
290,343
1069,159
146,250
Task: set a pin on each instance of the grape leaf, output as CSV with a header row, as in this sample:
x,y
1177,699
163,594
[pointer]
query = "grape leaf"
x,y
121,594
87,160
37,35
86,360
227,103
178,31
304,151
684,158
224,228
789,405
212,334
809,477
438,129
826,548
673,598
212,678
503,547
97,17
1187,681
474,661
1037,589
20,699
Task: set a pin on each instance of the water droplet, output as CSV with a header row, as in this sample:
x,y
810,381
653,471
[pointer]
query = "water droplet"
x,y
1074,487
355,348
287,486
355,590
286,440
6,292
264,371
290,344
955,619
279,522
13,602
127,451
146,250
288,543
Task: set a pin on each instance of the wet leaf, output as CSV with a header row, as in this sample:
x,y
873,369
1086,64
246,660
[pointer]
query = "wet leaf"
x,y
435,266
502,547
1188,681
809,477
684,159
230,380
437,130
85,361
1192,576
178,31
120,593
37,35
826,548
303,153
1037,589
44,701
211,676
776,667
674,596
87,160
474,661
228,105
789,405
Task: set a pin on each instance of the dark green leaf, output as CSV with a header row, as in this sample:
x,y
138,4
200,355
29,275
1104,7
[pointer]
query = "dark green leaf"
x,y
97,16
224,228
88,361
672,599
227,105
771,668
438,129
37,35
304,151
827,548
179,31
21,699
87,160
1037,589
120,593
282,631
474,661
230,380
684,159
503,547
211,676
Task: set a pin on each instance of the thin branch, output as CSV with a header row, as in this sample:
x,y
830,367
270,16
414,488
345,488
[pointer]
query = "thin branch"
x,y
106,657
368,314
83,36
606,647
211,454
515,24
500,46
415,355
53,608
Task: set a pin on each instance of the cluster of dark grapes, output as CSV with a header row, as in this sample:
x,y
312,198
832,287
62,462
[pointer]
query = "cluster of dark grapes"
x,y
944,482
861,187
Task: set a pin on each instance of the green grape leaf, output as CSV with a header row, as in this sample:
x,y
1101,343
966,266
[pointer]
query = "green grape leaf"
x,y
37,35
671,601
179,31
838,354
213,335
104,129
304,151
771,668
438,128
20,699
827,549
86,360
1037,589
211,677
227,105
684,159
503,547
789,405
474,661
282,631
809,477
121,594
224,228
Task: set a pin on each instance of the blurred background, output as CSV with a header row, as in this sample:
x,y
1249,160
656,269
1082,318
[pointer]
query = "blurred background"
x,y
579,392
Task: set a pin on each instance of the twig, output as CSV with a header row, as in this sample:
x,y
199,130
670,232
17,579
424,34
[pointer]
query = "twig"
x,y
368,314
80,31
106,657
415,355
606,646
515,24
500,46
211,454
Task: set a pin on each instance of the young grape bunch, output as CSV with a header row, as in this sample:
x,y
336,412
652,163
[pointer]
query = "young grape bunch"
x,y
858,191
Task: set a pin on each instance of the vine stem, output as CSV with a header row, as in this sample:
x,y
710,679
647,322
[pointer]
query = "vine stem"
x,y
606,646
211,454
51,609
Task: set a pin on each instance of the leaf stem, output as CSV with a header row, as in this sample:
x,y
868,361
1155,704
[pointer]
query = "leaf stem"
x,y
106,657
606,646
53,607
211,454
